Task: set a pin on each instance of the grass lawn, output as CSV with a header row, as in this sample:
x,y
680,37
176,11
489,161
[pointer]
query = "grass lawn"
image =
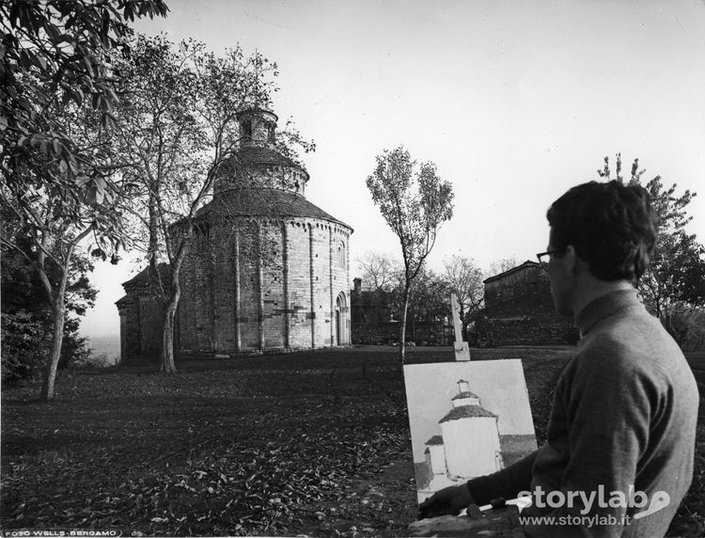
x,y
313,443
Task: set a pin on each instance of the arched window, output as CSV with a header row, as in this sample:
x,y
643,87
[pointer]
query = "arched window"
x,y
342,256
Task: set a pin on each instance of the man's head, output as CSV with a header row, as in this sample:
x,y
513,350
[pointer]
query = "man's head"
x,y
609,227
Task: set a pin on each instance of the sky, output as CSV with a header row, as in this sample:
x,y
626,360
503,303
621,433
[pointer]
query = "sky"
x,y
514,101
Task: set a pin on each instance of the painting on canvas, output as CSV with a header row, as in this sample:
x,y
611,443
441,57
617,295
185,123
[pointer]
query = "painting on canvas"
x,y
467,419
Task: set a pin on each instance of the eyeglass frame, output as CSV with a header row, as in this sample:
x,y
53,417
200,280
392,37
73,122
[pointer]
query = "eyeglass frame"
x,y
544,264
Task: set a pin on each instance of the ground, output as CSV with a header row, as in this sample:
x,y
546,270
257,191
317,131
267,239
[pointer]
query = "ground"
x,y
312,443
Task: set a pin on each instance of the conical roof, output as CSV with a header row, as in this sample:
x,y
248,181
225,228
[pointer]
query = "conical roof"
x,y
264,202
466,411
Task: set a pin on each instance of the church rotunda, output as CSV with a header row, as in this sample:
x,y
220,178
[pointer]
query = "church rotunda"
x,y
266,270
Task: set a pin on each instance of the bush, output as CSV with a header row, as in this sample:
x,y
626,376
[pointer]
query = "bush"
x,y
694,338
24,346
95,360
686,323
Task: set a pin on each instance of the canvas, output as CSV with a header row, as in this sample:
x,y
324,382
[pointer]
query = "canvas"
x,y
467,419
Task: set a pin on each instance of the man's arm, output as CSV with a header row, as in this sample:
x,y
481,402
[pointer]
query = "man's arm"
x,y
506,483
606,404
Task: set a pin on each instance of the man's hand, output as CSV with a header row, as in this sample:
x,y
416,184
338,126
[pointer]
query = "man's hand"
x,y
448,501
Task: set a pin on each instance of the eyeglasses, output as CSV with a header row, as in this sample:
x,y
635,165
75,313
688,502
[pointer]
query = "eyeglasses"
x,y
544,263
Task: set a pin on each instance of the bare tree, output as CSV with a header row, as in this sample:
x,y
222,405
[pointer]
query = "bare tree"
x,y
465,279
379,271
502,265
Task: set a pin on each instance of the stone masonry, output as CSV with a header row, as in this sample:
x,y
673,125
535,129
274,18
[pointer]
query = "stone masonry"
x,y
519,310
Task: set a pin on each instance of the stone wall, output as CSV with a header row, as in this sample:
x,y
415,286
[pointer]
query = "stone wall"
x,y
277,177
273,324
128,309
427,333
299,272
140,326
519,310
226,240
320,280
196,304
534,330
150,326
265,284
523,292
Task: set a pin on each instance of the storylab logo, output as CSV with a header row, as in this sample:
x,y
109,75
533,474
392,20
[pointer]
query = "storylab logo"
x,y
585,501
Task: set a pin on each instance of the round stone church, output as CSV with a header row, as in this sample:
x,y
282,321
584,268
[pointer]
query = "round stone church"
x,y
266,270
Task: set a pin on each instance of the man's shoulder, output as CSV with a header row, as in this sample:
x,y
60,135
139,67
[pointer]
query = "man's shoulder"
x,y
633,343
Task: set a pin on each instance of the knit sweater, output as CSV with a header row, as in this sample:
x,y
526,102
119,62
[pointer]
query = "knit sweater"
x,y
623,420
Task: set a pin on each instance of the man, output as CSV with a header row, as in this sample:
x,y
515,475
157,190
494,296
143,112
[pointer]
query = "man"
x,y
619,452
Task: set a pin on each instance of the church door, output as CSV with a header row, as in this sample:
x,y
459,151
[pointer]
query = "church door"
x,y
337,326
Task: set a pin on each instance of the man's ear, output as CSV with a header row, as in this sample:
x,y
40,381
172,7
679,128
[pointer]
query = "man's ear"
x,y
571,260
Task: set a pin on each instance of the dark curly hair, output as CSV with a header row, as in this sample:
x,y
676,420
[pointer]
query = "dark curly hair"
x,y
611,226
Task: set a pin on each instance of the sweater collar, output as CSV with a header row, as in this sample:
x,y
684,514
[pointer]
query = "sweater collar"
x,y
604,306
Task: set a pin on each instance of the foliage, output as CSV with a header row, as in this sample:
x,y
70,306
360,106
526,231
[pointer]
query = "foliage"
x,y
54,56
687,325
23,346
675,279
26,317
415,202
57,97
55,221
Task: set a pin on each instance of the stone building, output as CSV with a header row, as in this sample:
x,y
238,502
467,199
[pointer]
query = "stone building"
x,y
375,320
519,310
140,316
266,270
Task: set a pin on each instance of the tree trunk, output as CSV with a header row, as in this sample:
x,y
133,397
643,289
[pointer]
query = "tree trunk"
x,y
402,339
168,364
57,339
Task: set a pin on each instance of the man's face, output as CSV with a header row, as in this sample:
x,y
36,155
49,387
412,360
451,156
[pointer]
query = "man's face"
x,y
561,281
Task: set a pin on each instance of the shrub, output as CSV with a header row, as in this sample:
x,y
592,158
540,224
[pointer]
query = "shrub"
x,y
24,347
